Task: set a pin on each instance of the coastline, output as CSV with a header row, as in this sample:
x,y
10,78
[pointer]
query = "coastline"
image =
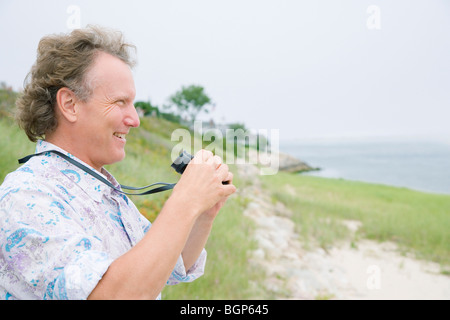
x,y
417,164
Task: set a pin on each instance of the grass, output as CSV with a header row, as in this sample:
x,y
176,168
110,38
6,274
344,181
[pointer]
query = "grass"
x,y
418,222
13,145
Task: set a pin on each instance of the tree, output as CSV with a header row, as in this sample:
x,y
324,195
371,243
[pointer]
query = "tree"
x,y
190,101
237,125
147,108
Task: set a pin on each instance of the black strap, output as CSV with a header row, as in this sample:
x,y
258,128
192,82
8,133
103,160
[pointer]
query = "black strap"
x,y
165,186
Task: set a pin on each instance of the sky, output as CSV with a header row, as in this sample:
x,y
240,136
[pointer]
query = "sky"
x,y
328,68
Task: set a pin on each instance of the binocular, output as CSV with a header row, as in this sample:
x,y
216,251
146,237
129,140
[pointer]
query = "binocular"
x,y
180,163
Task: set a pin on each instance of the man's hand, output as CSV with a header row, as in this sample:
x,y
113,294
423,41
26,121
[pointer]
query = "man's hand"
x,y
201,186
214,210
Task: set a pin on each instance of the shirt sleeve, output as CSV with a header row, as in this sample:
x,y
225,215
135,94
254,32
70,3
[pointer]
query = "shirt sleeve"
x,y
44,253
179,273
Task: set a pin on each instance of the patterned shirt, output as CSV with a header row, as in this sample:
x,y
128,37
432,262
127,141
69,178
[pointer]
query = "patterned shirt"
x,y
60,229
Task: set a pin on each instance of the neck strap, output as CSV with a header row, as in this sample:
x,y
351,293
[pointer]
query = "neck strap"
x,y
165,186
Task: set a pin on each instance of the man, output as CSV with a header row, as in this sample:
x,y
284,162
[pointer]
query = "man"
x,y
65,234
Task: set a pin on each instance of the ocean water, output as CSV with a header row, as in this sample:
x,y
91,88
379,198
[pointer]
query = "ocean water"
x,y
422,165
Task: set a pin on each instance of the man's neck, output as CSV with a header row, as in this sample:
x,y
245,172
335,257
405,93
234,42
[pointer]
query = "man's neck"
x,y
65,141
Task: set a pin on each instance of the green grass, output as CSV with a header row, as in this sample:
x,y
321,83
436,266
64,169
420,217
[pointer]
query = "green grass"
x,y
13,145
418,222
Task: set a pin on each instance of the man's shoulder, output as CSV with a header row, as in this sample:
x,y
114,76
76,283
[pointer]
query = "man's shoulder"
x,y
30,187
27,177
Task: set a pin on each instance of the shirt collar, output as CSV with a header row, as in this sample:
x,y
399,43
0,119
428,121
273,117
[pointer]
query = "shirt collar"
x,y
92,186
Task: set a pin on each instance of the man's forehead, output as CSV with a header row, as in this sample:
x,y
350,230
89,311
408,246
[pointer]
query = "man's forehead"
x,y
111,75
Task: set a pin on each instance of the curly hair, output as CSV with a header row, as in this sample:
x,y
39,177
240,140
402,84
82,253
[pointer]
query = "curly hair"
x,y
63,60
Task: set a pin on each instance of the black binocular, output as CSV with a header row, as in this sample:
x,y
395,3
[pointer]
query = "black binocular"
x,y
182,161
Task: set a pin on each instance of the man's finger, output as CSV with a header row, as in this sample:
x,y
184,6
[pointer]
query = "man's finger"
x,y
216,161
202,156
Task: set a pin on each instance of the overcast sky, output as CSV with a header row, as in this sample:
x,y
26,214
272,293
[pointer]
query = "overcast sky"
x,y
308,68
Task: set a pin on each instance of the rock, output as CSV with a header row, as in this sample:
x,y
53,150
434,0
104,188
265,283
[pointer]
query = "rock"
x,y
289,163
285,161
259,254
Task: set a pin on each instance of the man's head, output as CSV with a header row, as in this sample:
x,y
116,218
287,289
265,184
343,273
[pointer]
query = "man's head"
x,y
63,61
80,93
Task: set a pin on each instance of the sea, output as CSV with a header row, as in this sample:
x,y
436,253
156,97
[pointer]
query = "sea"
x,y
419,164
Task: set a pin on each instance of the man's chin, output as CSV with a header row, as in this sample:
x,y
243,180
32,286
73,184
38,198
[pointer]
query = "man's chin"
x,y
116,157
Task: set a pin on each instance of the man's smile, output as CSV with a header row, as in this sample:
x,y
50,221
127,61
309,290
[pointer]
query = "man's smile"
x,y
120,135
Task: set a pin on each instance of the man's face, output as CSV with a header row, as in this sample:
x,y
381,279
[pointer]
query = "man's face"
x,y
107,116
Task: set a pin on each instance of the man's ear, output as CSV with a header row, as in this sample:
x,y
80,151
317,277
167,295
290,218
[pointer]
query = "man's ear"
x,y
66,104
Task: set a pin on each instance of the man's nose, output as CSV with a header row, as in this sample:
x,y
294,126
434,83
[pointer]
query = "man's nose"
x,y
131,116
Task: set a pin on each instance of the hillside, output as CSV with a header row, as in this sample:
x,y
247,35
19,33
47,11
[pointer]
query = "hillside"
x,y
7,100
289,236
